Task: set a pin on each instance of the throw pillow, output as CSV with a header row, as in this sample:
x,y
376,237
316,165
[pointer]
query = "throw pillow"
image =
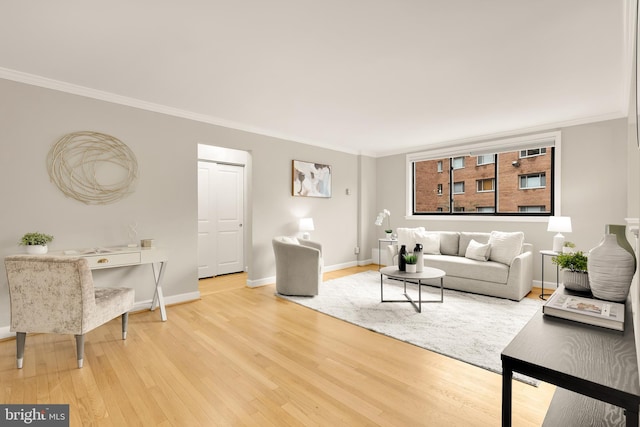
x,y
478,251
466,237
407,237
505,246
429,240
293,240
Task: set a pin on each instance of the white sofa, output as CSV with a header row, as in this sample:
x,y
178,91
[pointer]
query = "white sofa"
x,y
497,264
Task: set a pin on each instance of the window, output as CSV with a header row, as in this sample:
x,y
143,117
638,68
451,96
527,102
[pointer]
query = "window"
x,y
511,180
488,184
532,152
530,208
486,159
440,166
534,180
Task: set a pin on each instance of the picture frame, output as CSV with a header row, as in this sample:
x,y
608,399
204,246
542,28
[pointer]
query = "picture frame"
x,y
310,179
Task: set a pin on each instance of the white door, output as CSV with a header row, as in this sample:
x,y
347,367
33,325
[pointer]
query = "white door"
x,y
220,219
230,217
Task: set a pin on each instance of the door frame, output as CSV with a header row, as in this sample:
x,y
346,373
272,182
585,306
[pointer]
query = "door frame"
x,y
235,157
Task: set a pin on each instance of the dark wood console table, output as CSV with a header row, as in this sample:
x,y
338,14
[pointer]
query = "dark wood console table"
x,y
592,367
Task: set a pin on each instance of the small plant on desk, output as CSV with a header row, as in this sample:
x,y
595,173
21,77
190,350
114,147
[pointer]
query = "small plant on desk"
x,y
574,270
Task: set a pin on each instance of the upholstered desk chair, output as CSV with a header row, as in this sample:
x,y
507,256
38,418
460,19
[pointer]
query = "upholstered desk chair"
x,y
298,266
54,294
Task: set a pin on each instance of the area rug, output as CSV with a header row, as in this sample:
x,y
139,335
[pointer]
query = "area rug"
x,y
467,327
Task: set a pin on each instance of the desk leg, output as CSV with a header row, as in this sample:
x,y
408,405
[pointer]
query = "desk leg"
x,y
632,418
507,373
158,297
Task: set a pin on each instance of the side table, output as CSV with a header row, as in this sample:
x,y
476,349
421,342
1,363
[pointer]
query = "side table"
x,y
380,242
543,254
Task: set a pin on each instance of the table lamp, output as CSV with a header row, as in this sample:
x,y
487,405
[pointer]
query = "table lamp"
x,y
559,224
306,225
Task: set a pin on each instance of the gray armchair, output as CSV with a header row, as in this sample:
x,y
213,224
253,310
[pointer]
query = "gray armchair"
x,y
298,266
54,294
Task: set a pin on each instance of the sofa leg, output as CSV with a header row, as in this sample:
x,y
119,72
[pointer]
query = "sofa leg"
x,y
80,349
21,338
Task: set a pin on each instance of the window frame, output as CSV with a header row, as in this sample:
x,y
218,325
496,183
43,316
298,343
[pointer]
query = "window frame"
x,y
551,139
493,185
541,175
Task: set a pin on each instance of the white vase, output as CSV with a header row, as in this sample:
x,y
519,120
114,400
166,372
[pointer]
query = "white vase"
x,y
611,270
411,268
37,249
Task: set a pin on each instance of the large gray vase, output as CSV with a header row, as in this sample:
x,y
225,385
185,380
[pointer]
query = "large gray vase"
x,y
611,267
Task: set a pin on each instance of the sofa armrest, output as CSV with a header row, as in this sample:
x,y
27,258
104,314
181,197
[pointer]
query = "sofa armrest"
x,y
521,275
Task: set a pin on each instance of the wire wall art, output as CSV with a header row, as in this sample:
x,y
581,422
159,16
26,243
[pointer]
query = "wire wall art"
x,y
92,167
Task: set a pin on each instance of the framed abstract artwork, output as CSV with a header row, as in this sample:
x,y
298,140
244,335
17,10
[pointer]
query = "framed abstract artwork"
x,y
310,179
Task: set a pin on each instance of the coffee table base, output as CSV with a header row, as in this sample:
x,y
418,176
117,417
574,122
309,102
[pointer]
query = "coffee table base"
x,y
408,299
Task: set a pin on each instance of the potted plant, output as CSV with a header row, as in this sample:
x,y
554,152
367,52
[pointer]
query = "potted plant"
x,y
380,219
574,270
411,260
36,243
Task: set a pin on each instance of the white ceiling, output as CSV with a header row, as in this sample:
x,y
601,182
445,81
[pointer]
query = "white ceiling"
x,y
365,76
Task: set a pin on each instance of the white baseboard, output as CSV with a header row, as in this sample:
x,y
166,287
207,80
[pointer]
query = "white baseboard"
x,y
547,284
271,280
137,306
5,333
168,300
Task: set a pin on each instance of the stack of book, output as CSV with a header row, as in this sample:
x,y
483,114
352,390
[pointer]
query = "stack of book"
x,y
584,309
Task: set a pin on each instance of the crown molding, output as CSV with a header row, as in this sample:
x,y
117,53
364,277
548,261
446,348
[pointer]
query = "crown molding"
x,y
87,92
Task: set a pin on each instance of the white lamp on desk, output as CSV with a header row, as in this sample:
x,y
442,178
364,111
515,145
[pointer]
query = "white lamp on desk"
x,y
559,224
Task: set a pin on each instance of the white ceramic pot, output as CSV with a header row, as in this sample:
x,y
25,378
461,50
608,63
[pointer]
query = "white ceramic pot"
x,y
576,280
411,268
37,249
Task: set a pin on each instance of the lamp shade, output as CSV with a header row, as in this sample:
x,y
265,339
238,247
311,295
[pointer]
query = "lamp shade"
x,y
306,224
559,224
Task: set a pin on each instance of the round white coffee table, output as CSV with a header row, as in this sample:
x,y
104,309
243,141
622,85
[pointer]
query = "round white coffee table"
x,y
414,278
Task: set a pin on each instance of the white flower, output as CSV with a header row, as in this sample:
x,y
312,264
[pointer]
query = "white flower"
x,y
381,216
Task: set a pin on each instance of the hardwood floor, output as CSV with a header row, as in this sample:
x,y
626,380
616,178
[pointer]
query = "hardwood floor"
x,y
242,356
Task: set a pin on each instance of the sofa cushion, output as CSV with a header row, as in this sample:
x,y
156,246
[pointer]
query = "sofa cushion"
x,y
478,251
505,246
449,242
429,240
407,237
462,267
466,237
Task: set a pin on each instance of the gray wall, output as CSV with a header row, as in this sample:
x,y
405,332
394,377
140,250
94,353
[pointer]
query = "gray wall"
x,y
164,204
594,191
599,186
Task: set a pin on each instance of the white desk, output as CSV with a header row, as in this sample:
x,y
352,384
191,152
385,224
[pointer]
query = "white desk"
x,y
101,258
